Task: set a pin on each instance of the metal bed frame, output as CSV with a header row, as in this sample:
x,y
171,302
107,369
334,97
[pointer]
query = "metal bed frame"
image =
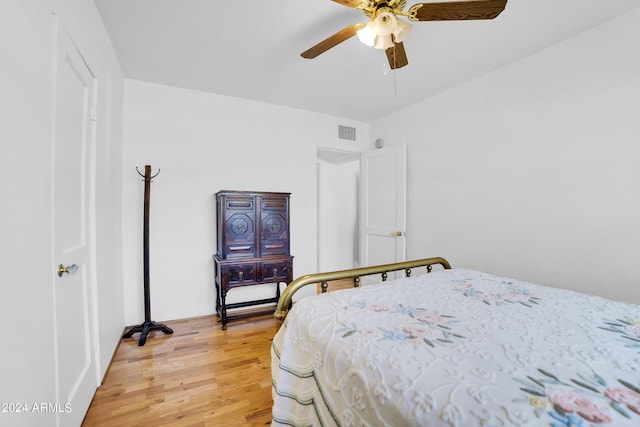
x,y
286,299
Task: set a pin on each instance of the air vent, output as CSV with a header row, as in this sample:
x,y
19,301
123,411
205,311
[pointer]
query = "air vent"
x,y
346,132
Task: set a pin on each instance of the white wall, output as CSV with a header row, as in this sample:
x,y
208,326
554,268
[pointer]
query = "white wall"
x,y
26,306
533,170
203,143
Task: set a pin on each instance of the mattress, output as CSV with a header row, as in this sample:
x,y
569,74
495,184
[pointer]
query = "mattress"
x,y
457,348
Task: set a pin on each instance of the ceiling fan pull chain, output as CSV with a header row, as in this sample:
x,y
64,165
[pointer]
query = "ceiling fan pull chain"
x,y
395,71
395,82
385,72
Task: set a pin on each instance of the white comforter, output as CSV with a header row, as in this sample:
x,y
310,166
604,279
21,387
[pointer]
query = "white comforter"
x,y
460,348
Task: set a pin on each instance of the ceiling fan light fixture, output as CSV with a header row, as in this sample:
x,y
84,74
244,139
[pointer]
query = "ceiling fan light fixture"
x,y
385,22
367,35
384,42
379,30
402,29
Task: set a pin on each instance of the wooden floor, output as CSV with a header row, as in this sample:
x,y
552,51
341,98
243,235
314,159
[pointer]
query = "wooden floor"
x,y
198,376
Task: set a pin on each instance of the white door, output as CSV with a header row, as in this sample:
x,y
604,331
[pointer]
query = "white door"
x,y
76,378
383,205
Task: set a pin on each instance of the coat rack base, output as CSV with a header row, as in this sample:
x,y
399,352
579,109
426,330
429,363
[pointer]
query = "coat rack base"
x,y
144,330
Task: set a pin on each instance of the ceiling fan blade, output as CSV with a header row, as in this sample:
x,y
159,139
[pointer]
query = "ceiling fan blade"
x,y
353,4
397,56
326,44
457,10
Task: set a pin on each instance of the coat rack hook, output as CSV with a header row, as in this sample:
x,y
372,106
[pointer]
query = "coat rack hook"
x,y
149,177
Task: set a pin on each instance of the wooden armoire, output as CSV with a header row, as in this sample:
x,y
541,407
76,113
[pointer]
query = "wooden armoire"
x,y
252,247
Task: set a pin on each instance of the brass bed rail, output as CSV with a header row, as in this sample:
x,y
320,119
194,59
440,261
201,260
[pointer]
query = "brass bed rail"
x,y
285,301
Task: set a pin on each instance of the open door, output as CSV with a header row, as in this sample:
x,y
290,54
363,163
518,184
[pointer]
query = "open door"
x,y
74,335
383,200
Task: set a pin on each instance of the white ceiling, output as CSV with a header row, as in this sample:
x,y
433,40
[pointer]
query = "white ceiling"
x,y
251,49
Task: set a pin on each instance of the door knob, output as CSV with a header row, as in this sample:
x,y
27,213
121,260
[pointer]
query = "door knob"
x,y
397,233
70,269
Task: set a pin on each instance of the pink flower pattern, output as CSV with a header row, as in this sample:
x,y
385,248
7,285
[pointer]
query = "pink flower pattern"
x,y
432,318
625,396
633,329
582,399
512,294
417,332
571,401
421,326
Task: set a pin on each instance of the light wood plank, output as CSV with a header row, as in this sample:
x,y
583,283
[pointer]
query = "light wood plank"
x,y
199,376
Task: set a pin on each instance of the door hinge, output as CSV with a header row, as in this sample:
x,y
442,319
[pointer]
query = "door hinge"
x,y
92,113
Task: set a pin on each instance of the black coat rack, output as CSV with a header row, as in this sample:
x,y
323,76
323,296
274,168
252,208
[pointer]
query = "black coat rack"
x,y
148,325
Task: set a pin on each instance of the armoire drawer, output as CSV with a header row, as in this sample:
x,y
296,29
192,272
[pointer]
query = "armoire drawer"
x,y
240,273
275,270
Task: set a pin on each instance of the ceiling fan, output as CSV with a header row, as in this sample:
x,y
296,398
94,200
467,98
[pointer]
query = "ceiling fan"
x,y
386,31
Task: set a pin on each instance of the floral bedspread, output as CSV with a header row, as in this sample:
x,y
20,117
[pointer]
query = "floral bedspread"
x,y
457,348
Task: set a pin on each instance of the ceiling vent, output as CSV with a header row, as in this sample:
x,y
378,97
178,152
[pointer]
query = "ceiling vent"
x,y
346,132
